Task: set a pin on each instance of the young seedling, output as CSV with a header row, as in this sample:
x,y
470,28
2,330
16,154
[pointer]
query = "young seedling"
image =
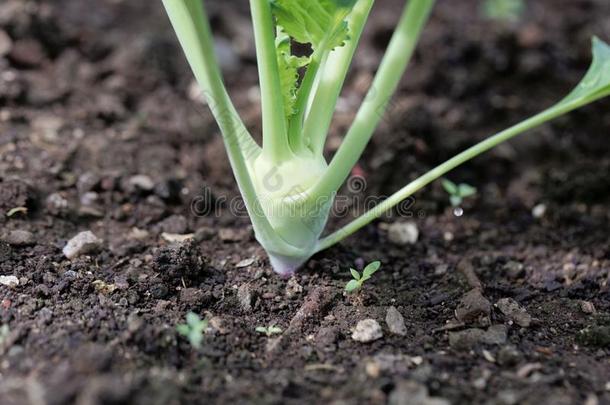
x,y
457,192
269,330
287,185
505,10
4,332
358,281
193,329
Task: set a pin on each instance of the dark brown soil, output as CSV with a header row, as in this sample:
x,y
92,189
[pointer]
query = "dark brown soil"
x,y
94,93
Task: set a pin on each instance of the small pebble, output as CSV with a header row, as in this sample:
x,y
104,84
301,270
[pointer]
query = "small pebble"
x,y
403,233
19,238
470,338
27,53
9,281
142,182
245,297
245,263
293,288
585,306
175,238
396,322
473,307
6,43
513,269
57,205
514,311
83,243
366,331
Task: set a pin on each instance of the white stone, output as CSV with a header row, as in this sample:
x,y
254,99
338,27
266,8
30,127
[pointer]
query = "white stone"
x,y
9,281
367,331
396,322
403,233
83,243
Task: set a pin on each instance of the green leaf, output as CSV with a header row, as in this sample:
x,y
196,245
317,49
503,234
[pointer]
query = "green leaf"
x,y
202,326
352,286
596,82
503,9
456,200
320,23
261,329
371,269
192,319
355,274
450,187
289,66
183,329
466,190
274,330
195,339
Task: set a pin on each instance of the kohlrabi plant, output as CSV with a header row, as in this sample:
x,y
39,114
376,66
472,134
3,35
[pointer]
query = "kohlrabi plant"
x,y
193,329
287,185
359,279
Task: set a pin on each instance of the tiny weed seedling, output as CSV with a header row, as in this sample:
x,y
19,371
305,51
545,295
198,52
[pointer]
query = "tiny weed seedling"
x,y
458,192
287,184
358,281
269,330
193,329
505,10
4,332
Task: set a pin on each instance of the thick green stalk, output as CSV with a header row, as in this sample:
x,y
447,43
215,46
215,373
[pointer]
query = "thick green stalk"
x,y
384,85
296,122
449,165
190,22
276,147
318,121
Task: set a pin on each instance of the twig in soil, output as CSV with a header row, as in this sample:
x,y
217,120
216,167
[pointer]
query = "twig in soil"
x,y
315,302
467,269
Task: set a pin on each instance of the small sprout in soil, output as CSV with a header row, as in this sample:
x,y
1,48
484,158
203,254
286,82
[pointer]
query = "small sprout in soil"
x,y
193,329
269,330
457,193
16,210
356,284
504,10
4,331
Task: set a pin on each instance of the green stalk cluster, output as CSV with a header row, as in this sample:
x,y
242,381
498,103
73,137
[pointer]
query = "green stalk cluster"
x,y
287,184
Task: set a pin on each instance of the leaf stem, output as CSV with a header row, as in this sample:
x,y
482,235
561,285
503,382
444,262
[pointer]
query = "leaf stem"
x,y
317,124
275,137
442,169
386,81
190,22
